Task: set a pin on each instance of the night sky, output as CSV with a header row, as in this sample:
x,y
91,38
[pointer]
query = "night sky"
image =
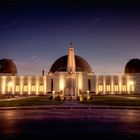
x,y
35,34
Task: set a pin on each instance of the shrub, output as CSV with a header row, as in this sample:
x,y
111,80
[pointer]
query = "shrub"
x,y
51,98
57,98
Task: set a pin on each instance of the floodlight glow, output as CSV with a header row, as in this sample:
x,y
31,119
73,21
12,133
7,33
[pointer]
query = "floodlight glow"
x,y
131,82
10,84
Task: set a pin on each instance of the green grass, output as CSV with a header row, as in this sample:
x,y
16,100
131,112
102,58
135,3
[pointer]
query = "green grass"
x,y
33,101
114,100
97,100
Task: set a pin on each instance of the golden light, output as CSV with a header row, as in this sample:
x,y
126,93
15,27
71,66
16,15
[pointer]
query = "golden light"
x,y
53,94
80,82
44,83
61,85
37,85
61,82
81,99
3,85
21,85
131,86
120,84
131,82
88,96
29,85
10,84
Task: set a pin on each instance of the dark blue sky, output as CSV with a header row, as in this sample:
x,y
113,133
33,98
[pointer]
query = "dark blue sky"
x,y
35,34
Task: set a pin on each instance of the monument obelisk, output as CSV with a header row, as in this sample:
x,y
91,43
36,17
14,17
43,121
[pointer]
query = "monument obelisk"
x,y
71,61
71,74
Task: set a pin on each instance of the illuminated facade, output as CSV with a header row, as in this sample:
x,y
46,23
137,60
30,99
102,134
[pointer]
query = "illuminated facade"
x,y
72,80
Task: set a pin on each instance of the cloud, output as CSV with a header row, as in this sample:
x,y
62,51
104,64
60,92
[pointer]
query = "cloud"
x,y
8,24
96,20
34,57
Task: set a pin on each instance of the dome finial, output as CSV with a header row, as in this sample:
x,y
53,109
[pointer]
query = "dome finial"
x,y
71,45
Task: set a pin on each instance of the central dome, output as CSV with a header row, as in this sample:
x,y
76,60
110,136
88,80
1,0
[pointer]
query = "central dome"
x,y
60,65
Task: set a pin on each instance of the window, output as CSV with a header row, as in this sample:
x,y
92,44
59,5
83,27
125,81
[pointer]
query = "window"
x,y
116,88
17,88
123,87
25,88
100,88
132,88
33,88
9,89
108,88
41,88
9,86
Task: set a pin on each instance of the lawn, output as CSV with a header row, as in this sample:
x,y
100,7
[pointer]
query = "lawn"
x,y
114,100
32,101
97,100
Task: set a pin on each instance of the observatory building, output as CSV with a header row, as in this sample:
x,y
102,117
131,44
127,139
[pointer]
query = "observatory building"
x,y
70,77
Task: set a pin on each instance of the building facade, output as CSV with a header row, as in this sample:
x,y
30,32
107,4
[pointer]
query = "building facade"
x,y
69,77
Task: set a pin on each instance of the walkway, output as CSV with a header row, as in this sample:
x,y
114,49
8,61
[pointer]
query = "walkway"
x,y
73,103
70,124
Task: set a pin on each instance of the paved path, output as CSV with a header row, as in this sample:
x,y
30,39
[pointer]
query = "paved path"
x,y
72,103
70,124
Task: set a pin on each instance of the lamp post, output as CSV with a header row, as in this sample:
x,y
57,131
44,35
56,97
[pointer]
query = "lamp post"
x,y
88,96
53,93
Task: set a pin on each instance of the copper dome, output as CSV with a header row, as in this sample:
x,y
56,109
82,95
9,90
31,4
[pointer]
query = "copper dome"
x,y
60,65
133,66
7,66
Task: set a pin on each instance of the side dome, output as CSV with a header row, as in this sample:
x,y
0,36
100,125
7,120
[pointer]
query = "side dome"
x,y
133,66
60,65
7,66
